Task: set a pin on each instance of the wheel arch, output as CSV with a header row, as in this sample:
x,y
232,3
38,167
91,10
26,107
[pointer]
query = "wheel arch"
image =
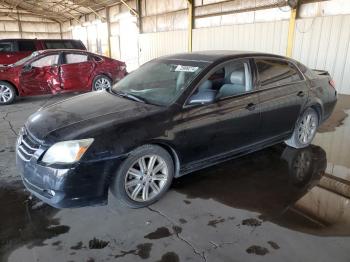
x,y
174,155
317,105
13,85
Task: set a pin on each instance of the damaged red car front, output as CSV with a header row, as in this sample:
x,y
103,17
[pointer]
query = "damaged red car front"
x,y
58,71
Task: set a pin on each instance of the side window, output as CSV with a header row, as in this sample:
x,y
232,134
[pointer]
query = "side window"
x,y
306,71
26,45
75,58
276,73
7,46
49,60
232,78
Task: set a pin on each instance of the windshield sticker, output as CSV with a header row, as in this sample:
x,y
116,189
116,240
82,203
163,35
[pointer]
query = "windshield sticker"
x,y
182,68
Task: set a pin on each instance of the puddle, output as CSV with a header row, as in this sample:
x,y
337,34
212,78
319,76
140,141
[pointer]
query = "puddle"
x,y
23,221
160,232
97,243
142,250
252,222
257,250
338,116
295,192
169,257
274,245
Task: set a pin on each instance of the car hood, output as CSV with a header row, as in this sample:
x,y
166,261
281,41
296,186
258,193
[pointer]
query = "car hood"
x,y
93,110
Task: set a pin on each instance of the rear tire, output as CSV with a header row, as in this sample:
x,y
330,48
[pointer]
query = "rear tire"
x,y
7,93
101,82
144,177
305,129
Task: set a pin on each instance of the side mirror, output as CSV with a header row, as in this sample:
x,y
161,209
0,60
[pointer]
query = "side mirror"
x,y
202,98
27,68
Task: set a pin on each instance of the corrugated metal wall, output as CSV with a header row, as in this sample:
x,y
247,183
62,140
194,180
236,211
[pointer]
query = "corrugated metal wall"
x,y
264,37
320,43
153,45
32,27
323,43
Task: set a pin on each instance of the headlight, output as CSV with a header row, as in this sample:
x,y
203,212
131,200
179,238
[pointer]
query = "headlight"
x,y
67,152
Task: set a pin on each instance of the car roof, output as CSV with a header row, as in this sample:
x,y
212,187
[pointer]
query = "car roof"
x,y
37,39
44,51
214,55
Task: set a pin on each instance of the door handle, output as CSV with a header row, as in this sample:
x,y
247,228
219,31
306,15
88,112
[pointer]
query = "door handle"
x,y
301,94
251,106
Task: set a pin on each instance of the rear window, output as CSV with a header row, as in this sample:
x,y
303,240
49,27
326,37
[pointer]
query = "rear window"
x,y
7,46
63,44
26,45
273,72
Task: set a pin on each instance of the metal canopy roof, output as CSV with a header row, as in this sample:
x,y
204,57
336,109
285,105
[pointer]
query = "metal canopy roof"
x,y
57,10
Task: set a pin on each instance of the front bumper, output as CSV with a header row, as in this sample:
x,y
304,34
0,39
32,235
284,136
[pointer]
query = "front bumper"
x,y
85,184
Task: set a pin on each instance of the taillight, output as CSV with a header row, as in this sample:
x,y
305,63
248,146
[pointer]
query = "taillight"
x,y
332,83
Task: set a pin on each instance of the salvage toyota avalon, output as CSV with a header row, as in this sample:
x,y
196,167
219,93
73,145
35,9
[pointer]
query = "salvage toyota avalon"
x,y
172,116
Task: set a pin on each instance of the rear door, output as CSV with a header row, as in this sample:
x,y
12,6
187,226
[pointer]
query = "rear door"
x,y
76,71
283,93
41,76
231,122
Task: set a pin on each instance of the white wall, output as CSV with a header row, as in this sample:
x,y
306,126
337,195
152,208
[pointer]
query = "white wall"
x,y
324,43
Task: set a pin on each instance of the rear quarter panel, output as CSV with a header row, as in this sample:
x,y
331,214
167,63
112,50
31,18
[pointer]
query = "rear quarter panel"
x,y
322,93
110,67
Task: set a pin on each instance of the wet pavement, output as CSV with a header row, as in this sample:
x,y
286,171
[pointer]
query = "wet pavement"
x,y
278,204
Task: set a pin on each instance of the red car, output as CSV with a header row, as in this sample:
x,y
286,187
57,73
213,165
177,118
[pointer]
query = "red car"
x,y
58,71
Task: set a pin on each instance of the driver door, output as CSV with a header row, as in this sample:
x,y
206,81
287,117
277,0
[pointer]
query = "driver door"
x,y
41,76
228,124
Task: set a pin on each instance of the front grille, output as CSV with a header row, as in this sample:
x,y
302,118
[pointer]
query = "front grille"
x,y
27,146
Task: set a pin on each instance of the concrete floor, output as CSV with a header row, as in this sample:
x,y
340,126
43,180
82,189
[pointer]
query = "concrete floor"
x,y
278,204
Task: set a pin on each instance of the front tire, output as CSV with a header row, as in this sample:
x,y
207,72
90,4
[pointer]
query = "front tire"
x,y
7,93
101,82
144,177
305,129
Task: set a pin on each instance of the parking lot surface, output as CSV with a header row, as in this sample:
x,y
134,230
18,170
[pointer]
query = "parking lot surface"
x,y
278,204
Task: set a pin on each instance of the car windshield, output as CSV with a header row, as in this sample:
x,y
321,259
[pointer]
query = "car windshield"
x,y
24,60
159,82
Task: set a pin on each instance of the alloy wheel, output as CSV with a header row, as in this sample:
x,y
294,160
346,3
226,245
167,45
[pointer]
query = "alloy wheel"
x,y
307,128
5,94
102,83
146,178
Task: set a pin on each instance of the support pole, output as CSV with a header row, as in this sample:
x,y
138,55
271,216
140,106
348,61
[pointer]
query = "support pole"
x,y
291,32
190,24
19,24
108,21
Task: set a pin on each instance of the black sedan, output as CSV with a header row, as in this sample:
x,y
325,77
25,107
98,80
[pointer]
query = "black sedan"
x,y
172,116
